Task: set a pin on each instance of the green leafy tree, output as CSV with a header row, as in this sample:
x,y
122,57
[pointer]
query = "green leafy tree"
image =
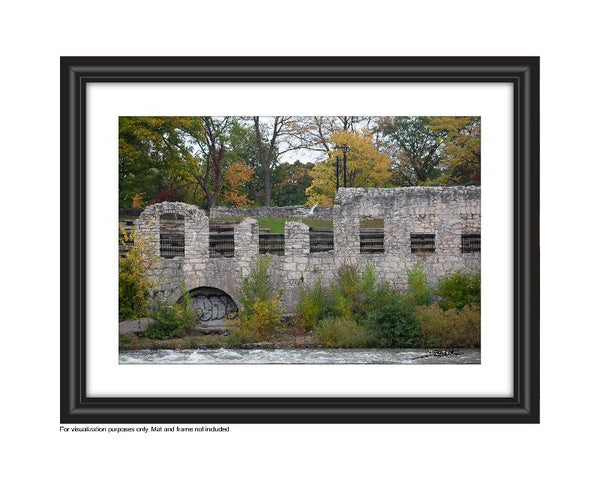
x,y
415,148
462,148
147,152
291,181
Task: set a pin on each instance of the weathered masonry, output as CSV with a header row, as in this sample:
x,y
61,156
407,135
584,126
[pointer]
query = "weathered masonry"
x,y
437,227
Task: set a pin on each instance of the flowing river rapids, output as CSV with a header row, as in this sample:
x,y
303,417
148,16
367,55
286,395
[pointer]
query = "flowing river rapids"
x,y
302,356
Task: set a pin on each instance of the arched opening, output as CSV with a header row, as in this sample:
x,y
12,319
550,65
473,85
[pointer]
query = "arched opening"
x,y
212,305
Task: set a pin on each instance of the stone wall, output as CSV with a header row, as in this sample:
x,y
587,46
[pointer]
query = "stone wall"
x,y
294,211
446,212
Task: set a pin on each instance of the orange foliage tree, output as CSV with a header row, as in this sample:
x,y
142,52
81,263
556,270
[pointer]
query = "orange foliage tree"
x,y
237,176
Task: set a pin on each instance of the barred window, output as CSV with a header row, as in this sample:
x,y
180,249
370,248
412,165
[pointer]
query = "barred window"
x,y
321,239
371,236
470,242
271,243
422,242
172,235
221,241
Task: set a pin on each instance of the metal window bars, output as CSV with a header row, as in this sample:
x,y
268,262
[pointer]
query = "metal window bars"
x,y
172,245
271,243
321,239
221,241
422,242
371,240
172,235
470,242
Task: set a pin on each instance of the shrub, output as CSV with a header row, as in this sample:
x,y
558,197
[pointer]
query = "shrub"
x,y
450,328
175,321
459,289
257,286
352,295
260,315
258,324
342,333
394,319
135,287
314,305
418,289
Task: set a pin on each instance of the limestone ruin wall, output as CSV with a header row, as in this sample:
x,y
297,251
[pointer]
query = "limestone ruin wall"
x,y
437,227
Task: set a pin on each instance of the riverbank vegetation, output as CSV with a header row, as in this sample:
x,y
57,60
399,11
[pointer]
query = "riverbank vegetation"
x,y
356,311
260,316
135,288
360,311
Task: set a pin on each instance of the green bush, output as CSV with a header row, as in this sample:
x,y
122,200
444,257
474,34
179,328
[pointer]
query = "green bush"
x,y
358,311
450,328
459,289
175,321
418,289
393,319
260,316
338,332
135,288
352,295
258,324
257,286
314,305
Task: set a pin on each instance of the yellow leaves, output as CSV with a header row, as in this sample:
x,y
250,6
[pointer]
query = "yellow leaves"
x,y
138,201
366,167
258,324
462,146
236,177
135,287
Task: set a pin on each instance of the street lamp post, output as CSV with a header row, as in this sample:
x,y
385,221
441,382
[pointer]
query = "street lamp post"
x,y
344,149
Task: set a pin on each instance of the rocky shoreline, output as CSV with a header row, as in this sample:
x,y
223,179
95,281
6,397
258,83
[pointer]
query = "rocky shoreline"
x,y
206,342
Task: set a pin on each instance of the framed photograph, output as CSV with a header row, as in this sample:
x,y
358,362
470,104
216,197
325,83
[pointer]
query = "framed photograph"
x,y
300,240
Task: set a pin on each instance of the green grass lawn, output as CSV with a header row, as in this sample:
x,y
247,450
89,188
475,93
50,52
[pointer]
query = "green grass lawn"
x,y
277,225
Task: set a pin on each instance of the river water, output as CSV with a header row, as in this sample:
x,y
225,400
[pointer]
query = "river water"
x,y
413,356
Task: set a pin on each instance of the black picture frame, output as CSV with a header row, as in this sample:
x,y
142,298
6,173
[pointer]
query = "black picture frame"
x,y
77,407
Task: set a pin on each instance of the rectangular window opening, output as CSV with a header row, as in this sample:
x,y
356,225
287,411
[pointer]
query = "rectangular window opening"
x,y
422,242
271,243
371,236
172,235
470,242
221,241
321,239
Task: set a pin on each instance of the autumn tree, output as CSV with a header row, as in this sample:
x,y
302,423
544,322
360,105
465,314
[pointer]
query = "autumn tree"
x,y
235,189
415,148
314,133
366,167
462,148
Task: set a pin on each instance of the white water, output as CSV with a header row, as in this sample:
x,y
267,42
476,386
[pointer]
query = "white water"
x,y
299,356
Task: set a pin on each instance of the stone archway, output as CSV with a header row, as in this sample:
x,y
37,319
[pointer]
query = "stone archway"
x,y
212,305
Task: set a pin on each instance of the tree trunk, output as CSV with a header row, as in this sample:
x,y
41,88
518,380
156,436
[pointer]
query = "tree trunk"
x,y
264,161
267,173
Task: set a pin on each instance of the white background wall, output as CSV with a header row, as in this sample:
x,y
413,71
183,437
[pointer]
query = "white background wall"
x,y
34,34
